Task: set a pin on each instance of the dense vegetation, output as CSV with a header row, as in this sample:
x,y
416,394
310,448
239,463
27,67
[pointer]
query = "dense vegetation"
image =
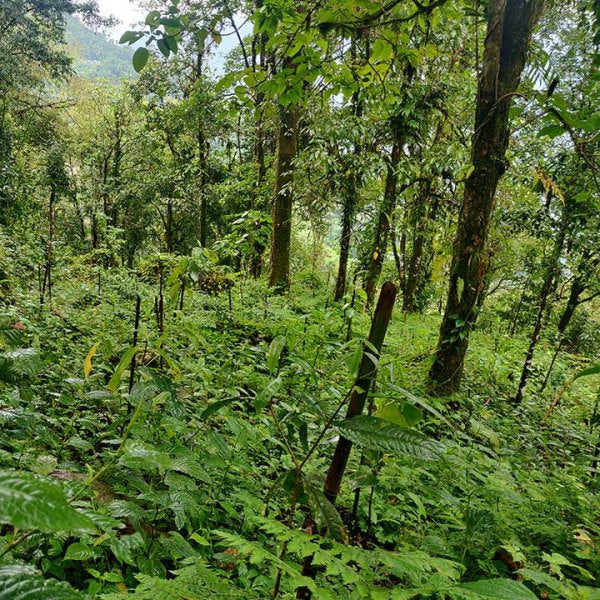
x,y
324,325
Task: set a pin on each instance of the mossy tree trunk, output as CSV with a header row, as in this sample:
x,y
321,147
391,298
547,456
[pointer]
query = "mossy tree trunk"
x,y
279,275
380,236
509,27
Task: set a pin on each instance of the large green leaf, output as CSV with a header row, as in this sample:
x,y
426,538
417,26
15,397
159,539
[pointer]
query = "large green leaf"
x,y
589,371
140,58
28,502
324,512
377,434
274,353
21,582
115,380
500,589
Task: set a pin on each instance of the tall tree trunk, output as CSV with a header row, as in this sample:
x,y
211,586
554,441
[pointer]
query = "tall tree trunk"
x,y
48,283
116,168
380,237
169,227
94,231
350,187
415,264
347,218
509,27
547,286
366,374
279,275
259,48
395,251
577,288
202,155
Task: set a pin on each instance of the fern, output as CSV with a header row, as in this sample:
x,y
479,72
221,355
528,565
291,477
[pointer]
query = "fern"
x,y
195,581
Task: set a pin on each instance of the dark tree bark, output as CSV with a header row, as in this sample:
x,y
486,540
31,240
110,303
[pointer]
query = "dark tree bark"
x,y
169,227
366,375
380,237
414,273
347,218
279,275
552,269
202,157
509,27
577,288
259,42
116,166
350,196
49,250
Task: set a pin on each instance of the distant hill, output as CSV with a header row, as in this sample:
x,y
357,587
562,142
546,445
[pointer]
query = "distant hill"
x,y
95,56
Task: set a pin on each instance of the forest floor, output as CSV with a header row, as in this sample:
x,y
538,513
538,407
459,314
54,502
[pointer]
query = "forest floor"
x,y
193,470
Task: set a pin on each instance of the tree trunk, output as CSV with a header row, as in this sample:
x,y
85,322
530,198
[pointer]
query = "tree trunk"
x,y
347,217
388,205
169,227
279,276
116,169
414,273
509,27
202,156
547,286
47,283
366,375
350,197
577,288
258,247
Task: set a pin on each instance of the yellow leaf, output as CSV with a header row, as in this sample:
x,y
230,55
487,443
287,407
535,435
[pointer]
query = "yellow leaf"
x,y
87,363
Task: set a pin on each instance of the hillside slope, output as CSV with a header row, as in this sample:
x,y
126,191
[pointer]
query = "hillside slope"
x,y
95,56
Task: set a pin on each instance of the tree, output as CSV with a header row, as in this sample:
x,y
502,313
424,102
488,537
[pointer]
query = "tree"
x,y
279,273
509,28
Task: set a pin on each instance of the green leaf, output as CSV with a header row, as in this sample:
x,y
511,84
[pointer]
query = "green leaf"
x,y
129,37
551,131
171,23
125,547
274,353
324,512
22,582
589,371
115,380
164,49
153,18
30,503
501,589
377,434
140,58
403,414
79,551
542,578
215,407
171,43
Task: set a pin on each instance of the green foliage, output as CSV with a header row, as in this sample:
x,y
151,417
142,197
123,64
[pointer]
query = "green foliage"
x,y
183,456
378,434
29,503
18,582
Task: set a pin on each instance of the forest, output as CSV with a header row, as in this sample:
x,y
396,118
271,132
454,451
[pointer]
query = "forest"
x,y
319,318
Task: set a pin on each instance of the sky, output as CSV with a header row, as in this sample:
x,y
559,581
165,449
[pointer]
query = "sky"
x,y
124,10
128,13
